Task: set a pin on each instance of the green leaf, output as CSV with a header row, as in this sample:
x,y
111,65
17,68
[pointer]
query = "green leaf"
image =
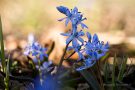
x,y
0,54
106,71
122,69
113,74
90,79
7,74
2,46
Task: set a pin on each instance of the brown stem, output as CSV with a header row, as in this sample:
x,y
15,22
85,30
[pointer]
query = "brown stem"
x,y
62,58
70,55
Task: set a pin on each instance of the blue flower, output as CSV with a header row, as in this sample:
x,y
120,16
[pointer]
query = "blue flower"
x,y
88,51
74,36
63,10
36,50
45,67
94,50
72,15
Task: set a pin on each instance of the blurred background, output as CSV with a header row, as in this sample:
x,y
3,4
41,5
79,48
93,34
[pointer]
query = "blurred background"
x,y
112,20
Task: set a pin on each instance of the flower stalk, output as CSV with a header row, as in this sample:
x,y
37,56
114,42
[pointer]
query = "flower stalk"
x,y
62,58
40,72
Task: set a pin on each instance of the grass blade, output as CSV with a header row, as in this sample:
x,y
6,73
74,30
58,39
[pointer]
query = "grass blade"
x,y
90,79
2,47
122,69
7,74
106,71
113,74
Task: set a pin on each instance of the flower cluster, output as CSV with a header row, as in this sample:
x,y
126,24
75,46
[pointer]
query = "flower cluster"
x,y
72,15
36,50
93,50
38,53
88,51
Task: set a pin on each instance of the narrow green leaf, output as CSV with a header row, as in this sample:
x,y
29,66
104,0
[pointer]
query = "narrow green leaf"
x,y
122,69
2,46
104,57
106,71
0,54
90,79
7,74
113,74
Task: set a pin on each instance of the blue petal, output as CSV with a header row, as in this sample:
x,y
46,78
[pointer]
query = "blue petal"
x,y
27,52
74,43
80,56
62,9
62,19
34,53
67,21
75,10
95,38
88,36
47,64
81,33
65,34
69,39
104,48
83,25
68,14
81,68
100,55
45,55
95,56
89,63
41,57
89,46
80,39
107,45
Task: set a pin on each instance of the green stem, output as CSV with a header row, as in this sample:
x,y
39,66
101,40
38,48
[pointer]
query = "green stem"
x,y
100,76
40,72
113,74
7,75
2,47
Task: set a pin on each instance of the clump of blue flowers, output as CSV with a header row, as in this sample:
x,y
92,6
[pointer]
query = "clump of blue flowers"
x,y
88,51
36,50
38,53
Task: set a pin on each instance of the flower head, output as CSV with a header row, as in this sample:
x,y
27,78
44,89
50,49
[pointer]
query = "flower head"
x,y
88,51
94,50
72,15
36,50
